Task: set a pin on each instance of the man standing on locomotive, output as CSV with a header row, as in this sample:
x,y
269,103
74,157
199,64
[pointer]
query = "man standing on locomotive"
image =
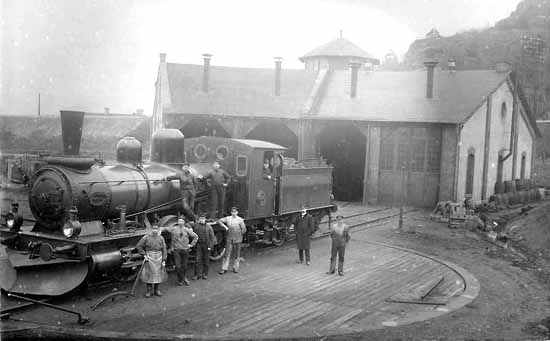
x,y
154,249
207,240
188,184
303,227
219,179
180,247
235,228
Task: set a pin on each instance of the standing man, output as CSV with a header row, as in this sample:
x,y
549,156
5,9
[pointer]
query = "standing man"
x,y
234,225
207,240
154,249
340,237
188,184
180,246
303,227
219,179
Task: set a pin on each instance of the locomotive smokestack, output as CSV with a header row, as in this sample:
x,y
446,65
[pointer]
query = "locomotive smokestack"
x,y
278,62
354,73
71,131
430,78
206,72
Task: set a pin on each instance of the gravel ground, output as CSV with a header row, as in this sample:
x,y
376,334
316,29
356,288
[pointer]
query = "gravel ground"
x,y
513,302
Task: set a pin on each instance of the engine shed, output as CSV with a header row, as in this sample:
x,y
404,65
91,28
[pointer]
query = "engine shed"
x,y
416,136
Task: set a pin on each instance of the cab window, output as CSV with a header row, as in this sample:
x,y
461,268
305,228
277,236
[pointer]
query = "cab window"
x,y
241,165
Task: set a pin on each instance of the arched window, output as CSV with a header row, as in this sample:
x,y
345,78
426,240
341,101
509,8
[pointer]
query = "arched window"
x,y
503,111
470,171
523,160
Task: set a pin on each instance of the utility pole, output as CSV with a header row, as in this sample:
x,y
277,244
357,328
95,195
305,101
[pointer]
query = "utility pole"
x,y
39,104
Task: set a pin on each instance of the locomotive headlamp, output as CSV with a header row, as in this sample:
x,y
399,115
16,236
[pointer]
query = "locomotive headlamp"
x,y
72,227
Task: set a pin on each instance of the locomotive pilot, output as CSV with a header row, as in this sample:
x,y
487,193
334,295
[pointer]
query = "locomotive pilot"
x,y
180,247
207,240
153,272
303,227
188,185
219,180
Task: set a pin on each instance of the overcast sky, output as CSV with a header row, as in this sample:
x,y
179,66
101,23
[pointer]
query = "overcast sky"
x,y
93,54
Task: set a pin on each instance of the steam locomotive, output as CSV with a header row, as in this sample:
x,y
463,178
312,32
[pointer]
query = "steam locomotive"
x,y
90,214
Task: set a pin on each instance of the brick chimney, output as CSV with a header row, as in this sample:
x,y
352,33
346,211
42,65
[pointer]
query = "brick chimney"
x,y
354,66
163,57
278,62
206,72
430,65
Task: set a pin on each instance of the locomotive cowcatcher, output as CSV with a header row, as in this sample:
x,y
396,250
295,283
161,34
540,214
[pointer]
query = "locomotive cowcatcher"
x,y
90,214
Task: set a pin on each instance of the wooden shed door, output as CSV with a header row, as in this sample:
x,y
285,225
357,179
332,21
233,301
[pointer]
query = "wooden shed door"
x,y
409,165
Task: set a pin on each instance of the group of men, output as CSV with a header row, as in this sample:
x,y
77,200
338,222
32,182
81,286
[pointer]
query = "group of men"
x,y
219,180
339,233
184,237
199,234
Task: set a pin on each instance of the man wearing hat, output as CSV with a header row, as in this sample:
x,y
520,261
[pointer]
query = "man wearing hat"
x,y
207,240
303,227
180,247
236,229
188,184
154,249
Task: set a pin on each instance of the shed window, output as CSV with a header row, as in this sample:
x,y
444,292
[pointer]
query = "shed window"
x,y
417,162
523,159
470,167
242,165
386,155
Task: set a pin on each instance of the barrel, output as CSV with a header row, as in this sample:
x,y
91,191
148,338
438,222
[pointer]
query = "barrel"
x,y
523,196
509,186
521,184
513,198
533,192
499,187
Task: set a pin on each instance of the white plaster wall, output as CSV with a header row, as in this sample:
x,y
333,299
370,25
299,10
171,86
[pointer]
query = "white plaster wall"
x,y
472,135
525,143
500,136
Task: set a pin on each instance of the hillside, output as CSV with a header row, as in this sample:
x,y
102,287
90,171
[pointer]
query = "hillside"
x,y
481,49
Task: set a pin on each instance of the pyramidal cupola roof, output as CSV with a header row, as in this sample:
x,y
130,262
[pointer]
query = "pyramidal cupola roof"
x,y
340,47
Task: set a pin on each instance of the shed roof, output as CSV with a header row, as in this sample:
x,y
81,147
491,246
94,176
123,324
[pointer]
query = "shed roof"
x,y
401,95
339,47
238,91
381,95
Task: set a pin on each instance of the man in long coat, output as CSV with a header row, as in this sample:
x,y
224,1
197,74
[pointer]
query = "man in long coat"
x,y
154,248
303,227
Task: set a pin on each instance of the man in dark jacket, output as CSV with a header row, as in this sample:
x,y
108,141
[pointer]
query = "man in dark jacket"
x,y
188,184
207,240
303,227
340,238
219,180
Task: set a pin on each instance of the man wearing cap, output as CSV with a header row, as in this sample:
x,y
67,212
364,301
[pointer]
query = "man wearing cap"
x,y
303,227
207,240
339,233
234,225
180,247
219,180
154,249
188,184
